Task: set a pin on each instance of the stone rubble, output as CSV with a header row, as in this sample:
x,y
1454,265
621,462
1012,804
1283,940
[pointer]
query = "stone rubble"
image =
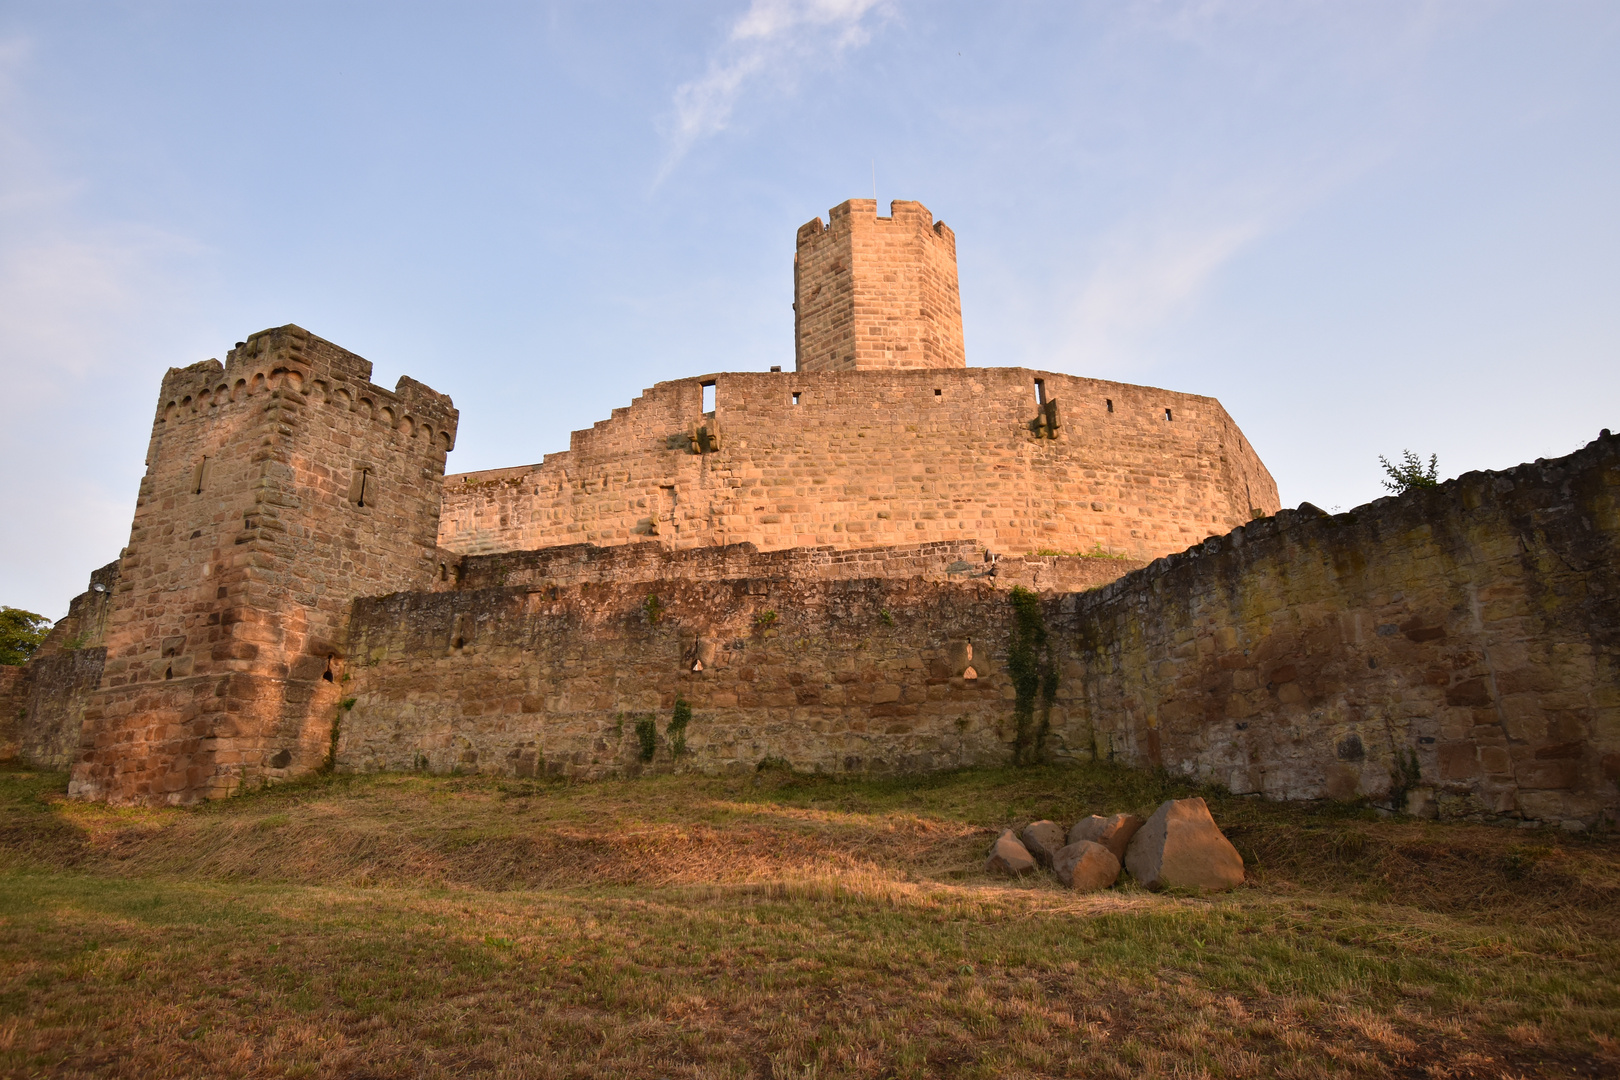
x,y
1181,847
1043,839
1178,847
1009,856
1086,866
1113,833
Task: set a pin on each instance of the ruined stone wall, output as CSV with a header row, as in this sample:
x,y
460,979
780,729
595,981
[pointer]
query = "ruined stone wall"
x,y
279,486
1453,651
959,560
863,458
872,293
42,704
838,676
1475,625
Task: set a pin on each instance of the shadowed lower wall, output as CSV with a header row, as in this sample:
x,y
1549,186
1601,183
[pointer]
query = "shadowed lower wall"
x,y
1454,650
1461,641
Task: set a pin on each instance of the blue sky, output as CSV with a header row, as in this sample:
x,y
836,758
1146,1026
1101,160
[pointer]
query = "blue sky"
x,y
1363,226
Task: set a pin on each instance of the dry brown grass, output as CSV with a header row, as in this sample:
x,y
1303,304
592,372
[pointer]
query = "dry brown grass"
x,y
775,927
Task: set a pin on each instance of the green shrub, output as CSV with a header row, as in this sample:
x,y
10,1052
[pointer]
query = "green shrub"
x,y
1410,473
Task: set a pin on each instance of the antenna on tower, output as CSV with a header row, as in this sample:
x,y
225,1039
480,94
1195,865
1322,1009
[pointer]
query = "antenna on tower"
x,y
874,185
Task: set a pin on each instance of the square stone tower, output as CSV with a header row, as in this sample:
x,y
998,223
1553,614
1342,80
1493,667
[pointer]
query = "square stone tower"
x,y
876,294
279,486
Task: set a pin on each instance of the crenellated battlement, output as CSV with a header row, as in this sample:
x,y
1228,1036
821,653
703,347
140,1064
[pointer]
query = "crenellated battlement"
x,y
293,361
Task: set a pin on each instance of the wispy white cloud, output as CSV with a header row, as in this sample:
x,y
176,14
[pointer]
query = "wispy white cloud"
x,y
1144,277
766,49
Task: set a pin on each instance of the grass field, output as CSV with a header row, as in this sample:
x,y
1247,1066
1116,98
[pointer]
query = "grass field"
x,y
780,926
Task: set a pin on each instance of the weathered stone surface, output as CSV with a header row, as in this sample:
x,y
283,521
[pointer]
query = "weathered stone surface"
x,y
1180,846
1470,630
876,293
1462,638
1009,856
1042,838
860,446
861,461
280,485
1086,866
1113,832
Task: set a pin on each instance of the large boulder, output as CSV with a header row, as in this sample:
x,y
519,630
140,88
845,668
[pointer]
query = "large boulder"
x,y
1113,833
1086,866
1043,838
1009,856
1181,847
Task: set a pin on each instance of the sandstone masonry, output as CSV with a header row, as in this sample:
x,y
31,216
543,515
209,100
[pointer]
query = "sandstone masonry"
x,y
819,563
279,486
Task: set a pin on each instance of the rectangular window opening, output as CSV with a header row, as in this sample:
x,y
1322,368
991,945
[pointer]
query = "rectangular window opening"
x,y
708,397
1167,415
1110,404
795,397
1040,391
199,476
938,392
361,489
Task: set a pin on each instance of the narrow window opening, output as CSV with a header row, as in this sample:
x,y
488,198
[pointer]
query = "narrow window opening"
x,y
199,475
444,573
327,674
168,672
361,489
1040,391
796,397
1110,404
938,392
708,397
1167,415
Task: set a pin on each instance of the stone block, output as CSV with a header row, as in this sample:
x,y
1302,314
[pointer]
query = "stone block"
x,y
1086,866
1042,839
1009,856
1113,832
1180,846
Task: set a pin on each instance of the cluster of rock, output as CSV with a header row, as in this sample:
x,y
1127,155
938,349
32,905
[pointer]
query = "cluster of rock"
x,y
1180,846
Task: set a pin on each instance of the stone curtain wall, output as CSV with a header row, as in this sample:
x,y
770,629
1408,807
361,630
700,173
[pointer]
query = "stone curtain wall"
x,y
873,293
1454,650
40,722
848,676
279,486
962,560
1475,625
880,458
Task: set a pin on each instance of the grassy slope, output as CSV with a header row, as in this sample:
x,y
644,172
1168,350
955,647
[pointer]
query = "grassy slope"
x,y
779,927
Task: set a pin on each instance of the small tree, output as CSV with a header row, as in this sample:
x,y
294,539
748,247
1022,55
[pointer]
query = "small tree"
x,y
20,634
1410,473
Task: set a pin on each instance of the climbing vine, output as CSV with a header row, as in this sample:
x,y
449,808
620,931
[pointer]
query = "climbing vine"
x,y
676,731
1404,775
647,735
330,762
1034,677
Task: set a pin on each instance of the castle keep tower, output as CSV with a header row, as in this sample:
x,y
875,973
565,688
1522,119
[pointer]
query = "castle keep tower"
x,y
876,294
278,487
